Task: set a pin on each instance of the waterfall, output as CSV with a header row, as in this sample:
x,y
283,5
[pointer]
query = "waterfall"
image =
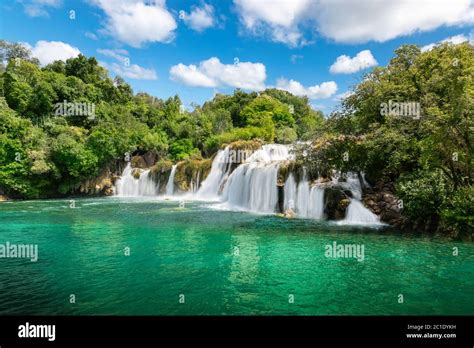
x,y
197,181
128,185
306,201
316,203
356,212
221,165
289,192
170,184
253,184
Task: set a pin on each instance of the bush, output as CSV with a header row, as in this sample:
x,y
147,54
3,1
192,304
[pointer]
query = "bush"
x,y
458,212
182,149
286,135
422,193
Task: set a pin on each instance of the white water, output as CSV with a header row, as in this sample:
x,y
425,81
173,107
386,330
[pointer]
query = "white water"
x,y
252,186
170,184
211,186
356,212
127,185
306,201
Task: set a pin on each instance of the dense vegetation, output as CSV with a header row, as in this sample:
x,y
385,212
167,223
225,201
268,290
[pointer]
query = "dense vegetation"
x,y
427,157
46,154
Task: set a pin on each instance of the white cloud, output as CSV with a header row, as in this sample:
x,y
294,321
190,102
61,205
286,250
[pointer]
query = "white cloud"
x,y
133,71
191,75
39,8
295,57
278,19
455,40
91,35
123,67
322,91
212,73
135,23
350,21
49,51
200,18
347,65
117,54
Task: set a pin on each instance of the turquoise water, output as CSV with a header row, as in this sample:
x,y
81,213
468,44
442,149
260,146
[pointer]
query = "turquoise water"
x,y
224,263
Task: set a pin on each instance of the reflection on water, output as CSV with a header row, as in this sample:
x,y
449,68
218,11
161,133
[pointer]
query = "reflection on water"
x,y
223,262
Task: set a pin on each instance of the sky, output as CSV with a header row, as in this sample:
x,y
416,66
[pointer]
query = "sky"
x,y
197,48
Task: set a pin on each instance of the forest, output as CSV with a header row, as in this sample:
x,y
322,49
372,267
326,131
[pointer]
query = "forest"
x,y
424,159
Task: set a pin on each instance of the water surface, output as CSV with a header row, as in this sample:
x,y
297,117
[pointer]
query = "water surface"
x,y
223,262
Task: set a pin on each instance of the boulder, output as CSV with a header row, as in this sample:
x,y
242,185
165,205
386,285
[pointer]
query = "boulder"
x,y
335,203
138,162
136,172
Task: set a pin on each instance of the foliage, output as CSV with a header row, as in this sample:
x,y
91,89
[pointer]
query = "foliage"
x,y
429,154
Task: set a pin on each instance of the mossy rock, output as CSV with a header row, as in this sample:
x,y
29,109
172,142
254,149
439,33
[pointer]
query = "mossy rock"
x,y
161,167
251,145
189,171
136,172
180,178
160,173
138,162
290,167
335,203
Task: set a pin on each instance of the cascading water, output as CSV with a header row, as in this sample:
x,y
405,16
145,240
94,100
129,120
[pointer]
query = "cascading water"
x,y
221,165
170,184
253,185
128,185
356,212
306,201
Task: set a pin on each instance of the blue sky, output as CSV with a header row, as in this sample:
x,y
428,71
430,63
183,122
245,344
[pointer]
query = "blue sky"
x,y
318,48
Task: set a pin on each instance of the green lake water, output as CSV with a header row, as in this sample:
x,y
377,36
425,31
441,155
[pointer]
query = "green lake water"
x,y
223,262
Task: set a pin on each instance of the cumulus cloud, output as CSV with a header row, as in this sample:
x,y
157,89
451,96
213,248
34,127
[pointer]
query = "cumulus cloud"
x,y
350,21
278,19
200,18
212,73
133,71
455,40
49,51
347,65
136,23
322,91
122,65
39,8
